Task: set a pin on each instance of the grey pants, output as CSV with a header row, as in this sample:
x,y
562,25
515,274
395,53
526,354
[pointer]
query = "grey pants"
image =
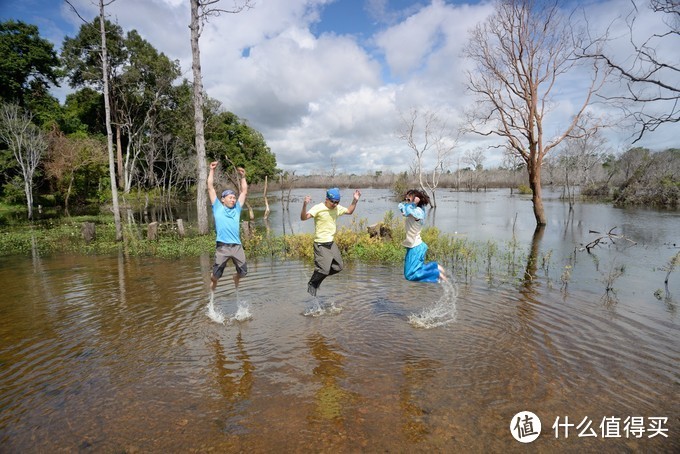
x,y
327,261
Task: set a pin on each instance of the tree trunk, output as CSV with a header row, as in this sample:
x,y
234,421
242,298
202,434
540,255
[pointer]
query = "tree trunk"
x,y
535,185
89,232
530,272
201,168
29,197
68,192
119,157
152,231
266,202
109,133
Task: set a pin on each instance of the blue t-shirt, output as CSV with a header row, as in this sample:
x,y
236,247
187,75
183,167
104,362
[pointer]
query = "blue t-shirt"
x,y
227,222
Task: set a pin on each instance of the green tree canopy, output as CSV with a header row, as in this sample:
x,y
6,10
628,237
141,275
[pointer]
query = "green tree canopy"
x,y
84,112
82,55
28,64
228,136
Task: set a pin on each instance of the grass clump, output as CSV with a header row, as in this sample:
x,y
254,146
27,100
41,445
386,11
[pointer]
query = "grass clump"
x,y
463,257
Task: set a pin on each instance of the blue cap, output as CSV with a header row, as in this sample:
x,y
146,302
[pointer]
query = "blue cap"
x,y
333,194
228,192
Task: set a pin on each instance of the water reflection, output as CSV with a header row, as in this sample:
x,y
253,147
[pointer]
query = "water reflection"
x,y
234,377
530,271
418,374
331,399
115,354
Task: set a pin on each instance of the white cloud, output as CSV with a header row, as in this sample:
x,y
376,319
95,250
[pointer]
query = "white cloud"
x,y
333,97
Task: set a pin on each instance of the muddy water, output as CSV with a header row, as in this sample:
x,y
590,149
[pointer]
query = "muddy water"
x,y
107,354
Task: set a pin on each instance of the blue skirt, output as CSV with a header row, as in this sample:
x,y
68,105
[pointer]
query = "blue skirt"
x,y
415,268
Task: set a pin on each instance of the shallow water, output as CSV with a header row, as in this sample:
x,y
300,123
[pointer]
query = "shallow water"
x,y
112,354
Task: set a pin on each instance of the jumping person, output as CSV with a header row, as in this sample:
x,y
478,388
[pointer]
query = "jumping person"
x,y
327,258
415,268
227,214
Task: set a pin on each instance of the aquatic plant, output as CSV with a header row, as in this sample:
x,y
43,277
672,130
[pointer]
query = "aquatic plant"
x,y
670,267
501,262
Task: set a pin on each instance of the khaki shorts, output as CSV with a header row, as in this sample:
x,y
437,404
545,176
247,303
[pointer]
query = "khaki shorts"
x,y
235,252
327,258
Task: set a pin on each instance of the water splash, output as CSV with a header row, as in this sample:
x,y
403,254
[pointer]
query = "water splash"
x,y
320,307
215,315
242,312
442,313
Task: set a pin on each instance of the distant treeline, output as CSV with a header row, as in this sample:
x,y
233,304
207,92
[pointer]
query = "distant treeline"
x,y
636,177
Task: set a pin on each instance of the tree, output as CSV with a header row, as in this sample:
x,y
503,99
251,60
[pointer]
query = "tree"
x,y
579,156
520,52
230,140
200,11
141,89
652,92
26,142
71,158
475,159
424,132
84,112
83,67
650,179
109,133
81,55
28,62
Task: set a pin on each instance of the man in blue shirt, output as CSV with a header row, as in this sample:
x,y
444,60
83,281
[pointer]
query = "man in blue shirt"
x,y
227,215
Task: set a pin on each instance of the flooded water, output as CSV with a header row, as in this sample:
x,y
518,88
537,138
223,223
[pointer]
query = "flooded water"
x,y
115,354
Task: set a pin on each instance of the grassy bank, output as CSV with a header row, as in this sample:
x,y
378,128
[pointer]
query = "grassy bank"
x,y
467,258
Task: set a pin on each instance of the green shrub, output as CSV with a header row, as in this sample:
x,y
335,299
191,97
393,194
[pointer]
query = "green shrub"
x,y
524,189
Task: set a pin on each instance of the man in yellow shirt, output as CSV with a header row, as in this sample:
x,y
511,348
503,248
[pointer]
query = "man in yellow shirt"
x,y
327,258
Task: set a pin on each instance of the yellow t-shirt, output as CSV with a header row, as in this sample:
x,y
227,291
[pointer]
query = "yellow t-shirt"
x,y
324,221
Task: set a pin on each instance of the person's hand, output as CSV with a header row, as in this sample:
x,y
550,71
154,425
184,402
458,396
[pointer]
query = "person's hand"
x,y
416,200
213,165
241,171
357,194
308,198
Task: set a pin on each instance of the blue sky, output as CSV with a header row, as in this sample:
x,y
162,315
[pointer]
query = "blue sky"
x,y
328,81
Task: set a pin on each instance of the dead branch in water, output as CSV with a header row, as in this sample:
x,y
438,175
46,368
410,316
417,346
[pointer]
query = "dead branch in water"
x,y
604,236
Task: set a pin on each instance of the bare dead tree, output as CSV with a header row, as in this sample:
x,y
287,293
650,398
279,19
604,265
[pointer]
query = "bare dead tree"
x,y
26,142
201,10
475,159
579,155
109,132
426,134
108,110
520,53
652,93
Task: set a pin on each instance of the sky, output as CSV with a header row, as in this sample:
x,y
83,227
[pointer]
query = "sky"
x,y
327,82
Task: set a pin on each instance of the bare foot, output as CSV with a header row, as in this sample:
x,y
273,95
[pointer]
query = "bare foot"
x,y
213,282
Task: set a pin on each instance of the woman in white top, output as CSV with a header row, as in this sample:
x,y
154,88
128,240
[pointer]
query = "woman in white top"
x,y
415,268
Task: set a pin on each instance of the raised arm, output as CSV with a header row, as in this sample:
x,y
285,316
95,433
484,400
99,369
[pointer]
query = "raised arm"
x,y
303,214
244,185
353,205
211,182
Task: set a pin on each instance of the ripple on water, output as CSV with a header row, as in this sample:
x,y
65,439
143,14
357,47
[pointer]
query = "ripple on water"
x,y
130,342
